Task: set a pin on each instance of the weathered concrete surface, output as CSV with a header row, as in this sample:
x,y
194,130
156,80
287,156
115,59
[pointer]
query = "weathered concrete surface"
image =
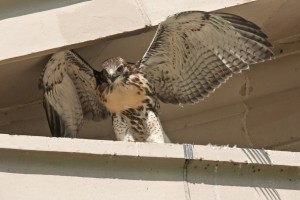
x,y
59,168
258,109
40,27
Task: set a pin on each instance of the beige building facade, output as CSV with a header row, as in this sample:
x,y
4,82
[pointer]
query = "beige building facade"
x,y
252,122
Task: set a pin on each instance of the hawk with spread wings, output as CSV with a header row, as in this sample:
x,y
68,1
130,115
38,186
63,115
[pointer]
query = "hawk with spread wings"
x,y
191,54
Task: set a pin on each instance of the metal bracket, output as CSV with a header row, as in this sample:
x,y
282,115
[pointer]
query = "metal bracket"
x,y
188,151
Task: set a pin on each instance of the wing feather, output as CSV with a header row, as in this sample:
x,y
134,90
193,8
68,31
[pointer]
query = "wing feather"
x,y
194,52
69,94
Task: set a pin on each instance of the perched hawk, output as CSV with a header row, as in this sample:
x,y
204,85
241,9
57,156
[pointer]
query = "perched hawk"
x,y
191,54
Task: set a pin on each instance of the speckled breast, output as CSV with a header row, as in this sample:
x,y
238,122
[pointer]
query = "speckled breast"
x,y
124,95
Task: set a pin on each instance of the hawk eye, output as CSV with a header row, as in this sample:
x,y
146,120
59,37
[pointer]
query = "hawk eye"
x,y
120,68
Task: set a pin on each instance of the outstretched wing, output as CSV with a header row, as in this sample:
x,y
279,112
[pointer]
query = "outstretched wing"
x,y
69,94
194,52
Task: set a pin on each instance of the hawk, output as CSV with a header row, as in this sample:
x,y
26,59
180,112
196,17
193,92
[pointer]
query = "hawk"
x,y
191,54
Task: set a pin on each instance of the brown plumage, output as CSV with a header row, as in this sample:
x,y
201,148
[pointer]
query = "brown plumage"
x,y
191,55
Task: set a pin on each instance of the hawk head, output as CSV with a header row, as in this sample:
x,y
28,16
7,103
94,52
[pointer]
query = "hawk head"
x,y
114,70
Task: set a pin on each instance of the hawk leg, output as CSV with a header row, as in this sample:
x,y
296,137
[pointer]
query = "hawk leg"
x,y
127,130
121,129
155,130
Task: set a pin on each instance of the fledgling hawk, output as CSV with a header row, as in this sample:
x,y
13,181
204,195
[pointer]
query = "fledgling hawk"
x,y
191,54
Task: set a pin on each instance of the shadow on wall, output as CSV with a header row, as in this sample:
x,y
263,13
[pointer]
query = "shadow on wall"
x,y
15,8
257,156
262,157
263,179
268,193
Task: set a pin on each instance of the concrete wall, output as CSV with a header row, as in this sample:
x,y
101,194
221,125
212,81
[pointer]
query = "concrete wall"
x,y
52,168
257,109
44,26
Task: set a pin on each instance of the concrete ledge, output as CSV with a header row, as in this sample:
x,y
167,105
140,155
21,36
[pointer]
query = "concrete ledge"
x,y
150,150
62,168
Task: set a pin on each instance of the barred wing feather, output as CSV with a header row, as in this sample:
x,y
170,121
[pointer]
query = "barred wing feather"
x,y
194,52
69,94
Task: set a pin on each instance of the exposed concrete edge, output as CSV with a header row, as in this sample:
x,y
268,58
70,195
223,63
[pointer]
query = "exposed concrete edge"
x,y
146,15
79,44
147,150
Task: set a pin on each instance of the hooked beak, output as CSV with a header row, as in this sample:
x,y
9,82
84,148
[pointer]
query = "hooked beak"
x,y
113,78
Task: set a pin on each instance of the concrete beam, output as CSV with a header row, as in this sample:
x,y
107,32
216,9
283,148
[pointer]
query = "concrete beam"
x,y
62,168
47,26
